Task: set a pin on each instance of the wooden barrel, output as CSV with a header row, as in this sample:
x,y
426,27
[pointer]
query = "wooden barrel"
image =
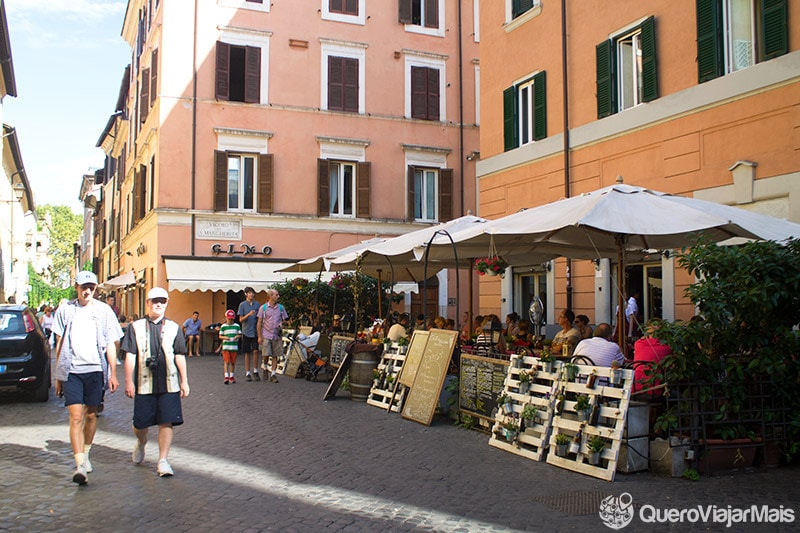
x,y
361,374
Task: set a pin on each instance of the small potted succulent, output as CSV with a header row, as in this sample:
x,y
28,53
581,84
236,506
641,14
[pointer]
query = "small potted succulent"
x,y
570,371
511,429
595,445
547,359
524,381
402,343
376,378
583,407
504,402
530,413
562,443
389,381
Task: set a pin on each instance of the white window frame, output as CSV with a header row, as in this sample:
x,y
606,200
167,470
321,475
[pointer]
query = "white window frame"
x,y
349,151
430,60
257,38
359,19
733,48
248,143
428,160
629,70
477,94
244,4
239,208
434,32
353,50
476,21
525,120
513,23
340,165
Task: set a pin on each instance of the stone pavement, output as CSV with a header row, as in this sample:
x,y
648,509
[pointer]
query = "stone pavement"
x,y
258,456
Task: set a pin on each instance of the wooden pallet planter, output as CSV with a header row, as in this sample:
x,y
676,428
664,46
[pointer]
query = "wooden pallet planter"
x,y
530,441
613,402
391,397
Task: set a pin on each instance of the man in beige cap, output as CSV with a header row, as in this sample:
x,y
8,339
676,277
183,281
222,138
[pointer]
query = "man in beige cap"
x,y
155,377
86,331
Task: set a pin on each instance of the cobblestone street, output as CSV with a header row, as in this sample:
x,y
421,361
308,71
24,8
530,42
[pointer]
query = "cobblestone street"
x,y
257,456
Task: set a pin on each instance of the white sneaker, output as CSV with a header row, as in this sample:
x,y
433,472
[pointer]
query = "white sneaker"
x,y
80,476
164,469
138,452
88,464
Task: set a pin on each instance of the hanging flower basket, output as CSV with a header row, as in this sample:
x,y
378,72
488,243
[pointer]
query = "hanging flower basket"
x,y
299,283
491,266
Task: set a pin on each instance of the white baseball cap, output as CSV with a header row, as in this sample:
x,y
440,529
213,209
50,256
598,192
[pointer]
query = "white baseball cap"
x,y
85,277
157,292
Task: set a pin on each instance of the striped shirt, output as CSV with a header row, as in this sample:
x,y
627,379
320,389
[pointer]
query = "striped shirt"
x,y
228,332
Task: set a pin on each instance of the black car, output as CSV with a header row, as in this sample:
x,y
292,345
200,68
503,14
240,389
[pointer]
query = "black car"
x,y
24,352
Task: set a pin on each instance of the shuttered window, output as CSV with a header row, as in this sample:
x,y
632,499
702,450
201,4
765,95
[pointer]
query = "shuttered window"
x,y
420,12
425,93
525,112
153,77
144,95
238,73
518,7
240,179
626,70
345,7
344,188
430,194
343,84
736,34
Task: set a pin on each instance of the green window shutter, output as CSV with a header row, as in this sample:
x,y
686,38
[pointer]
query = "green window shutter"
x,y
649,70
709,45
510,131
539,106
604,59
775,28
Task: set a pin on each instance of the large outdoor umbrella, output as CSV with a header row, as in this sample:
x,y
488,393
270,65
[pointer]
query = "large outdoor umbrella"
x,y
616,220
317,263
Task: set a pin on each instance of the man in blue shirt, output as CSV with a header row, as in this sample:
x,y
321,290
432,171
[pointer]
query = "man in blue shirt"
x,y
191,330
248,311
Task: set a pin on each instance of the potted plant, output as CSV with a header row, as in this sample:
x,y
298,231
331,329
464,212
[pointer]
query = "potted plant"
x,y
616,374
511,429
530,413
505,404
376,378
546,359
491,266
562,442
402,343
583,406
524,381
570,371
595,445
389,381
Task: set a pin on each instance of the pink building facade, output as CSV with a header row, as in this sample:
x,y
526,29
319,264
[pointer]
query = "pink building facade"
x,y
252,134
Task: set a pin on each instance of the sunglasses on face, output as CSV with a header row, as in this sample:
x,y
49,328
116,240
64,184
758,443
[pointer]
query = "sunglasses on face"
x,y
161,301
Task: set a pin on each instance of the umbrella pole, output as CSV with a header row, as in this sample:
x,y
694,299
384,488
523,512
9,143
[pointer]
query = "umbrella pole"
x,y
620,293
380,291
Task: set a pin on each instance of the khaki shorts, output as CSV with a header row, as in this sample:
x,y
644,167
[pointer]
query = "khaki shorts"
x,y
272,348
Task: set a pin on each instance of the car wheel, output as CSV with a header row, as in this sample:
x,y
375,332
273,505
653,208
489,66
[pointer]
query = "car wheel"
x,y
42,391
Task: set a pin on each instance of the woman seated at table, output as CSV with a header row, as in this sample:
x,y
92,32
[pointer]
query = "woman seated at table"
x,y
523,334
565,340
647,351
491,338
582,323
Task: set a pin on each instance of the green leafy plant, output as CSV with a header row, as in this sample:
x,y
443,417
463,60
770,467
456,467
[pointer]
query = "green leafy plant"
x,y
563,438
495,264
582,403
524,376
691,474
547,355
596,443
530,411
402,341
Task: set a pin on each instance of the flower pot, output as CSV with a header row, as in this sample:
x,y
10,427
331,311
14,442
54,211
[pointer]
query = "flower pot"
x,y
584,414
572,373
530,422
509,434
518,362
547,367
402,349
723,455
616,377
523,387
491,272
508,408
561,450
594,458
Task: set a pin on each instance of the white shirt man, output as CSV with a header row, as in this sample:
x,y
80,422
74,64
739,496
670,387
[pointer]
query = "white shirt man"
x,y
599,348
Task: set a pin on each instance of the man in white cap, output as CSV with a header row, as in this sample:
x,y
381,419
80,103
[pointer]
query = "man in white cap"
x,y
86,331
155,377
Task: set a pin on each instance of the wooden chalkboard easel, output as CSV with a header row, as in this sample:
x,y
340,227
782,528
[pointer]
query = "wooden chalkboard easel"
x,y
413,357
338,345
421,400
341,372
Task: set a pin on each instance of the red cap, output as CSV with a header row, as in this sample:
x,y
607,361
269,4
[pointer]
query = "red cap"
x,y
230,313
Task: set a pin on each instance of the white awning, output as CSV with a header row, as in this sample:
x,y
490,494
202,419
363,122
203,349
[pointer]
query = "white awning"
x,y
120,281
233,275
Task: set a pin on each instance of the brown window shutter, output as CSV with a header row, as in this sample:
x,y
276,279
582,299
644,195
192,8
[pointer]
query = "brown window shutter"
x,y
142,205
222,84
137,196
153,77
220,180
445,194
431,14
410,214
362,190
266,182
405,11
252,74
351,85
419,92
433,94
323,179
144,95
335,83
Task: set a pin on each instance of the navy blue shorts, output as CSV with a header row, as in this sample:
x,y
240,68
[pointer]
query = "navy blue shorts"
x,y
157,409
249,344
83,389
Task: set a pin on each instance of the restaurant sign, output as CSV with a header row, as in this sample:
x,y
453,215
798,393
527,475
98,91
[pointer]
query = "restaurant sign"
x,y
213,229
243,249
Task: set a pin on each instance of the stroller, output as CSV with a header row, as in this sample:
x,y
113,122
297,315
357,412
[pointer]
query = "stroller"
x,y
312,364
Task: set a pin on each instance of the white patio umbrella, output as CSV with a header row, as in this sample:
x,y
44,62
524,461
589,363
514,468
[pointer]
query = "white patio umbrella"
x,y
617,220
317,263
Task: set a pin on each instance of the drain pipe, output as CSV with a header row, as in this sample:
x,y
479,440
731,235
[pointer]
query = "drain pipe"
x,y
565,89
460,110
194,129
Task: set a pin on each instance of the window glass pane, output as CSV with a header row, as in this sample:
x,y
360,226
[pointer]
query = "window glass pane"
x,y
249,182
430,195
233,182
334,188
347,190
626,73
524,111
740,25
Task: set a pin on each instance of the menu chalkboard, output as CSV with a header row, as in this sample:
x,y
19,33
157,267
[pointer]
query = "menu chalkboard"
x,y
424,394
338,344
480,383
413,357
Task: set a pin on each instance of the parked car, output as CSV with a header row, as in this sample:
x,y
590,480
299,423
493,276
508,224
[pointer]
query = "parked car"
x,y
24,352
